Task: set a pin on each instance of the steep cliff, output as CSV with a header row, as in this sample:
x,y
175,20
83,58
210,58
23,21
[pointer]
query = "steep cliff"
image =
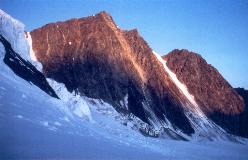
x,y
93,57
212,92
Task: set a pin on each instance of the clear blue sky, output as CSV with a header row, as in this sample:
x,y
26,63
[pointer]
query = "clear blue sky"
x,y
217,29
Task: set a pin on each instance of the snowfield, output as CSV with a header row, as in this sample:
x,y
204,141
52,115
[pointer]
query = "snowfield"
x,y
35,126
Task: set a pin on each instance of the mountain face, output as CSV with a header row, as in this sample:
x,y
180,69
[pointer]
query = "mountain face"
x,y
219,101
94,58
211,91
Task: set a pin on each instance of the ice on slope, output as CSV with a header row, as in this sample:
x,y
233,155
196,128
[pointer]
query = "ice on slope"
x,y
74,102
182,87
31,51
13,31
34,60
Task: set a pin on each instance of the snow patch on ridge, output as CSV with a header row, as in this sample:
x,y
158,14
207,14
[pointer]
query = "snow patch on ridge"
x,y
124,102
31,51
202,125
34,60
182,87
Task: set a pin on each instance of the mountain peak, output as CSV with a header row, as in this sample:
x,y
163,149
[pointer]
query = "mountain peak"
x,y
92,56
103,13
101,61
211,90
182,53
105,16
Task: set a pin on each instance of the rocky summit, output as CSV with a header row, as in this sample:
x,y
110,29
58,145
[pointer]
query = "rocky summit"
x,y
95,58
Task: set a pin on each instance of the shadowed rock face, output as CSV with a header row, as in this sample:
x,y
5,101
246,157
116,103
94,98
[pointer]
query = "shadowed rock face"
x,y
216,97
93,57
235,124
25,69
244,94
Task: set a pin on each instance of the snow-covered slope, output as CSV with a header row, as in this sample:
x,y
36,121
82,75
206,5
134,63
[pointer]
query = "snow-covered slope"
x,y
13,31
34,125
21,41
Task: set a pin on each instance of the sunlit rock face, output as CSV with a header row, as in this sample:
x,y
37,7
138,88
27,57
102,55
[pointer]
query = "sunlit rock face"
x,y
212,92
93,57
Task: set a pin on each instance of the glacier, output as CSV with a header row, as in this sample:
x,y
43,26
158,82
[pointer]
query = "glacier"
x,y
35,126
